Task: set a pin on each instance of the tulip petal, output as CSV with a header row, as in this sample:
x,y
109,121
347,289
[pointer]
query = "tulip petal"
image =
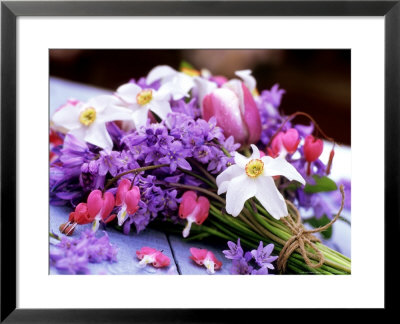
x,y
270,197
223,104
251,116
247,78
279,166
239,190
204,87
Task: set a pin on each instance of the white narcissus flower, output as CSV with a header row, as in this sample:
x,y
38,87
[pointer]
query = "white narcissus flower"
x,y
252,177
177,84
87,121
140,101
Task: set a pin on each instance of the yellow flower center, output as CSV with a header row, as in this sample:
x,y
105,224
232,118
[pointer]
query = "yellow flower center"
x,y
254,168
144,97
88,116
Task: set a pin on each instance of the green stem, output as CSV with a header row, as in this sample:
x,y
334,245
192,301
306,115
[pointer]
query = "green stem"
x,y
146,168
197,176
205,172
194,188
54,236
223,148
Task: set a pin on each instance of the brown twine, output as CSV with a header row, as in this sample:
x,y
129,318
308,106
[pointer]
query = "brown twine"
x,y
301,237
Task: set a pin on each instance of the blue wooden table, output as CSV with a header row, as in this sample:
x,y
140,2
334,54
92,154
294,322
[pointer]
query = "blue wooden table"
x,y
171,245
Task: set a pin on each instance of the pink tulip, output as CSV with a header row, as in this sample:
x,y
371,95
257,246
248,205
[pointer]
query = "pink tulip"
x,y
206,258
219,80
291,140
100,206
194,209
128,198
235,110
148,255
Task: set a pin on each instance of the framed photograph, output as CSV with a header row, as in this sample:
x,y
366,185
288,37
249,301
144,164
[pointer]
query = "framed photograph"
x,y
173,147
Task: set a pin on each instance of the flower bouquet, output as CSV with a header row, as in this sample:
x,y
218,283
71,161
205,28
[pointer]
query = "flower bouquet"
x,y
193,153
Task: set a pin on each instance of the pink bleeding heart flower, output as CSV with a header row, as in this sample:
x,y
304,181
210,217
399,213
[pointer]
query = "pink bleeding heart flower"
x,y
99,207
235,110
128,198
313,148
206,258
285,142
148,255
193,209
291,140
78,217
276,146
81,215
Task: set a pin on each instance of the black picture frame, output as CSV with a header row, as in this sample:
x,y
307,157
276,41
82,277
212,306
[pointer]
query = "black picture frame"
x,y
11,10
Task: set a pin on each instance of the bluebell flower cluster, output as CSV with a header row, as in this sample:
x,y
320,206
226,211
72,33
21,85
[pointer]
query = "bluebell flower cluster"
x,y
72,256
255,262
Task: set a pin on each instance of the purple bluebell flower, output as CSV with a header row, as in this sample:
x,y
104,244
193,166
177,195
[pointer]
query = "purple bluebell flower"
x,y
273,96
109,161
256,262
72,256
241,267
235,251
176,157
263,257
190,108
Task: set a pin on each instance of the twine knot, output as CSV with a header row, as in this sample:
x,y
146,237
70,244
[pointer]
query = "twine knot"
x,y
302,237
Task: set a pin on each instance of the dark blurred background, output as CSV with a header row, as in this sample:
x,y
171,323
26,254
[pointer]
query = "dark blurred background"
x,y
316,81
